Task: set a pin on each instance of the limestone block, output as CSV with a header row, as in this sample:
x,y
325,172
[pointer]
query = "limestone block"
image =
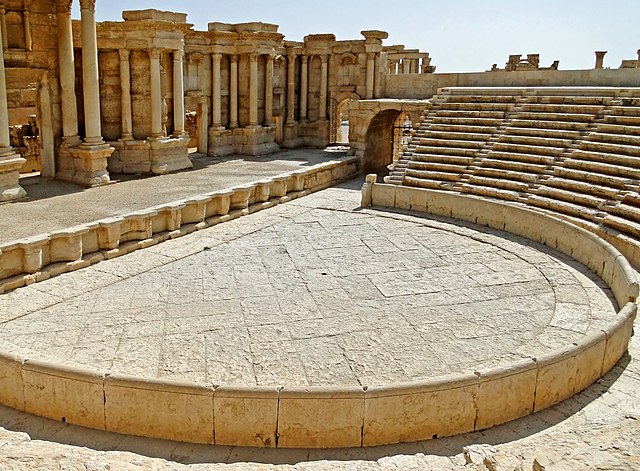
x,y
137,226
439,203
66,245
296,180
420,411
169,218
194,210
63,393
246,416
506,393
320,418
384,195
219,203
262,191
11,386
12,260
556,377
159,408
154,15
589,357
35,253
618,335
623,282
240,196
109,233
90,243
317,178
279,186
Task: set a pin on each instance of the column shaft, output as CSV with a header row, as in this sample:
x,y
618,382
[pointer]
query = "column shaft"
x,y
324,84
156,94
3,26
90,75
291,89
233,92
28,40
178,93
216,90
125,95
253,89
268,92
304,88
67,72
371,67
5,140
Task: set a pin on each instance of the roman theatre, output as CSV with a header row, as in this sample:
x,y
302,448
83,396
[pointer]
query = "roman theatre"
x,y
460,255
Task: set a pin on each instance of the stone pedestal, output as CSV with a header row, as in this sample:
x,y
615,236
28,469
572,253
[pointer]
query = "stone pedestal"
x,y
220,142
89,165
130,157
292,137
10,164
169,154
255,140
316,134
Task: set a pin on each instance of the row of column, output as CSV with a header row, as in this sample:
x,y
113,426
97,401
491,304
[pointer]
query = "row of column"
x,y
304,87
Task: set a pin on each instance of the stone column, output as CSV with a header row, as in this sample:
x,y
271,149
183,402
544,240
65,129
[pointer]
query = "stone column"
x,y
233,92
3,25
178,93
638,63
268,92
125,95
371,68
253,89
90,75
216,87
600,59
10,162
291,89
156,94
67,74
28,40
324,85
203,127
304,88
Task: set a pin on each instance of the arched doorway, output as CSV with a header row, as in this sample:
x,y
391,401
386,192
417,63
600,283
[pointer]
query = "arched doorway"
x,y
339,130
380,142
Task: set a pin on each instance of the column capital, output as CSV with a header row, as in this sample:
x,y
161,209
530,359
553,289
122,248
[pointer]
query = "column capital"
x,y
178,55
253,56
195,57
324,58
154,53
305,59
234,58
87,4
63,6
216,56
292,56
124,54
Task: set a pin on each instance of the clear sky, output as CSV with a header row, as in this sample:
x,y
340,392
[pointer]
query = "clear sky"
x,y
460,35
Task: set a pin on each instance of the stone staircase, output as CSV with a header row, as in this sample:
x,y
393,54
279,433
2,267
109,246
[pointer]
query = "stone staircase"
x,y
572,151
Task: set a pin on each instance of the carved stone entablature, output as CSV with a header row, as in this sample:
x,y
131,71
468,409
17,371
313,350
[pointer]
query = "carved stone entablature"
x,y
374,35
532,62
320,37
348,59
88,4
64,6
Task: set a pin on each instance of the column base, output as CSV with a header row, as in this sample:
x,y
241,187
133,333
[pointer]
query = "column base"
x,y
292,139
10,165
130,157
255,140
168,154
220,142
89,164
316,134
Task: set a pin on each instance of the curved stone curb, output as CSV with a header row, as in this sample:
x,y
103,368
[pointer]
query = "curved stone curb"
x,y
38,258
322,417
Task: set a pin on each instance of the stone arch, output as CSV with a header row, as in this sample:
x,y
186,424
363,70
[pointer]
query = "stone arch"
x,y
378,153
338,103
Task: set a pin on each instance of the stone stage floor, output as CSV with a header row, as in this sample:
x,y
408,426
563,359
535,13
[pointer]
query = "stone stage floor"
x,y
314,292
596,429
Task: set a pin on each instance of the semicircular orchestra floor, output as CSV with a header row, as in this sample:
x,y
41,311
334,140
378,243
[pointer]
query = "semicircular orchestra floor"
x,y
313,292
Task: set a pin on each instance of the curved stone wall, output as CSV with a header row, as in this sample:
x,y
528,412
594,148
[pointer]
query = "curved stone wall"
x,y
343,416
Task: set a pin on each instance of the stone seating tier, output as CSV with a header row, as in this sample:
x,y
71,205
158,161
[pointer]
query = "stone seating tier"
x,y
572,151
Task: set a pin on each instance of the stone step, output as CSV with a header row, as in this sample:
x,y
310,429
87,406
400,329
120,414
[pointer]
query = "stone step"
x,y
632,198
600,167
490,191
593,178
468,121
540,123
563,207
469,114
476,106
461,128
562,108
616,138
538,141
444,150
622,224
611,148
499,174
445,159
627,211
427,183
620,129
625,120
617,159
476,98
502,183
527,149
424,141
581,187
559,134
437,167
564,117
625,110
571,196
432,175
569,100
454,136
521,157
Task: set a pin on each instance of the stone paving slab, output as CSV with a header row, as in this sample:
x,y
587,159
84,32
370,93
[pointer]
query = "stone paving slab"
x,y
312,293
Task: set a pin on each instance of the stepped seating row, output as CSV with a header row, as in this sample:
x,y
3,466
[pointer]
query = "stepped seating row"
x,y
572,151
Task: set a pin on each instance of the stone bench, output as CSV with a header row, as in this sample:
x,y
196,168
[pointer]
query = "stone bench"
x,y
468,114
513,165
528,148
571,196
611,148
552,134
563,207
461,128
537,122
491,178
432,175
436,167
431,142
624,120
619,129
462,121
512,136
475,105
554,116
581,187
593,178
442,158
490,190
521,157
600,167
451,136
563,109
419,149
623,160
